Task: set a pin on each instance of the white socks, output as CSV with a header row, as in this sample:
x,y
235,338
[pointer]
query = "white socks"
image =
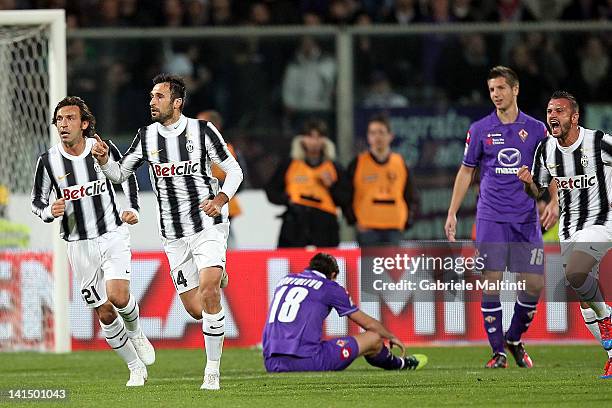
x,y
130,315
590,320
213,327
117,338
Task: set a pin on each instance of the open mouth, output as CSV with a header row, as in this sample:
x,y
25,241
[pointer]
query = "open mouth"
x,y
64,133
554,125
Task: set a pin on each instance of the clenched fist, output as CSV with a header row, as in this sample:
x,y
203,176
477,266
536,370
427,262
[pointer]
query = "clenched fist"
x,y
524,174
58,207
129,217
212,208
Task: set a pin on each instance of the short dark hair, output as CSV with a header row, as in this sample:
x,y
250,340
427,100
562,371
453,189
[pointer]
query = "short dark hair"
x,y
324,263
566,95
380,118
313,124
177,86
504,72
86,114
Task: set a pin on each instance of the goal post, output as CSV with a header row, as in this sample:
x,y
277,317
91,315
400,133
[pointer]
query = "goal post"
x,y
32,82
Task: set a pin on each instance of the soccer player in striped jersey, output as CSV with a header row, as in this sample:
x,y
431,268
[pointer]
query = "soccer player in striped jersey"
x,y
193,215
94,227
580,161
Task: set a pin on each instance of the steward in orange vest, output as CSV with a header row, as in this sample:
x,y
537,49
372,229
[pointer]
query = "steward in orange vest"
x,y
307,185
381,190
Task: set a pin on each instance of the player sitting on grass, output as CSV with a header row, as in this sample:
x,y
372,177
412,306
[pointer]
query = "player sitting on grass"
x,y
293,331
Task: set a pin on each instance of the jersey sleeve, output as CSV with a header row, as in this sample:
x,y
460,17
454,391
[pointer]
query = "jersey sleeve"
x,y
41,192
473,148
340,300
120,171
129,186
606,149
217,150
541,174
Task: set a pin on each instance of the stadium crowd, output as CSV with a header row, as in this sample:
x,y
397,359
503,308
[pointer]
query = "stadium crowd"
x,y
296,78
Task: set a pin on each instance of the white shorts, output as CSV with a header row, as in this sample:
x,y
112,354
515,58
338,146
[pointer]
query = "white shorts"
x,y
188,255
595,240
96,260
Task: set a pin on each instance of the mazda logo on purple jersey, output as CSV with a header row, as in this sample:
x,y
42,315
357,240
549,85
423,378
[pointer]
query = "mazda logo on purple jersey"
x,y
509,157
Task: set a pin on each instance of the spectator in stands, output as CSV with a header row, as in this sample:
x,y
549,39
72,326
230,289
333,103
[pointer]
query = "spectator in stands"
x,y
307,184
311,19
463,11
462,80
434,44
173,13
342,12
509,11
535,87
366,52
259,14
380,190
404,12
222,14
545,51
381,95
108,15
308,84
594,77
198,13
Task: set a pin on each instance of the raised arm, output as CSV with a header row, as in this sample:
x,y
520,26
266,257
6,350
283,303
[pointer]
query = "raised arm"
x,y
539,178
129,186
119,171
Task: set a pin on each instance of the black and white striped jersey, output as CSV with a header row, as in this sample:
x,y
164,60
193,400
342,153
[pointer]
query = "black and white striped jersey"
x,y
583,173
91,204
179,158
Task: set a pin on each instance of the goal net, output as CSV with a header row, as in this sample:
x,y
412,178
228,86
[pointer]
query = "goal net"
x,y
33,278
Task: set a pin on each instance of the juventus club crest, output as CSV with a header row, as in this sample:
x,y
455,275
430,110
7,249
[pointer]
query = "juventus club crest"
x,y
189,145
584,160
97,168
523,134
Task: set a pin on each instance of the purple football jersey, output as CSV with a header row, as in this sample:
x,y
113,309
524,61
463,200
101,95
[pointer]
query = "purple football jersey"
x,y
300,305
500,150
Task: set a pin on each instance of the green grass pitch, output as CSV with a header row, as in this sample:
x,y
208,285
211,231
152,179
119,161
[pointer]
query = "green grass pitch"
x,y
563,376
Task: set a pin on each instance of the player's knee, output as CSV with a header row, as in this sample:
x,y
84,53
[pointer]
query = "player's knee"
x,y
119,299
106,313
375,341
195,312
209,291
575,279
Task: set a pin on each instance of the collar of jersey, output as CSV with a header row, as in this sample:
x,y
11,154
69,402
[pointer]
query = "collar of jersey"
x,y
317,273
174,129
88,145
573,146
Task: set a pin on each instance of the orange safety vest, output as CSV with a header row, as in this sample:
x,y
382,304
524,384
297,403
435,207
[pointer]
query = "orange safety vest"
x,y
304,186
234,206
378,200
